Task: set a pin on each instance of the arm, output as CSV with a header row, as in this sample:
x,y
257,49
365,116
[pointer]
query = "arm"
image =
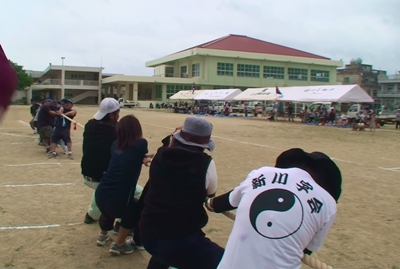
x,y
229,200
211,179
320,236
70,114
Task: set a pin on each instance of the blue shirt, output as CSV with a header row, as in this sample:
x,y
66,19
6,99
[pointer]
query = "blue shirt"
x,y
119,182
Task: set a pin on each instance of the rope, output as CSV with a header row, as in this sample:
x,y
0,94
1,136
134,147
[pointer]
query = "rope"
x,y
73,121
307,260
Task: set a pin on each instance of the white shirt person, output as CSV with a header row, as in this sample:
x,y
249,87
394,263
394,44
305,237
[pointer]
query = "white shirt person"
x,y
282,212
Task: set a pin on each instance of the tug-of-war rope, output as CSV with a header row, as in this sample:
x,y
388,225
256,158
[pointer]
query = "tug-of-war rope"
x,y
307,260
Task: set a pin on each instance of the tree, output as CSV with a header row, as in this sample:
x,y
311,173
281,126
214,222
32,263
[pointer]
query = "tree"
x,y
24,79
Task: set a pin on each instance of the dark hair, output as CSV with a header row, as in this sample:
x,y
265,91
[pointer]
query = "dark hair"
x,y
129,131
106,118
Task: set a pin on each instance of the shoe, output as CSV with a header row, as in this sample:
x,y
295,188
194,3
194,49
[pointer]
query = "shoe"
x,y
116,227
132,243
65,150
122,249
102,239
70,155
89,219
47,149
52,155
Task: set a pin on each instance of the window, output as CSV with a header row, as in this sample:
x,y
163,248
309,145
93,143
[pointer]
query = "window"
x,y
196,70
77,76
220,87
172,89
391,88
248,70
224,69
169,72
158,91
297,74
274,72
319,75
184,73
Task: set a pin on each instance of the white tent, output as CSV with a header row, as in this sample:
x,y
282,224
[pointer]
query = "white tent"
x,y
258,94
326,93
218,95
186,95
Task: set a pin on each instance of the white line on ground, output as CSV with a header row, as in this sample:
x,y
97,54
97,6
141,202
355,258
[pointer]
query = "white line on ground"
x,y
267,146
34,164
390,169
30,164
17,135
24,123
345,161
38,226
39,184
12,128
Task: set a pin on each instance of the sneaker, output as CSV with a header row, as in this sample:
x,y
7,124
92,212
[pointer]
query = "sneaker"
x,y
102,239
70,155
52,155
122,249
89,219
65,150
132,243
47,149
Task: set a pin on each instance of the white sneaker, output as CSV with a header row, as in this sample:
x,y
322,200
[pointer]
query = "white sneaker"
x,y
132,243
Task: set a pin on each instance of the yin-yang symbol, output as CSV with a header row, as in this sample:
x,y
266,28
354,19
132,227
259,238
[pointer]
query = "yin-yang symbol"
x,y
276,213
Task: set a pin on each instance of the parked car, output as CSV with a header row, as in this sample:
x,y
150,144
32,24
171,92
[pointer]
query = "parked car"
x,y
127,103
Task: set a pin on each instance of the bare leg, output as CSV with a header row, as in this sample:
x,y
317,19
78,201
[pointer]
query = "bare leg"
x,y
53,147
122,235
69,146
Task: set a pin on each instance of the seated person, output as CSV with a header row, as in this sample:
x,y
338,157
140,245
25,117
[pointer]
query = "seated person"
x,y
344,119
271,116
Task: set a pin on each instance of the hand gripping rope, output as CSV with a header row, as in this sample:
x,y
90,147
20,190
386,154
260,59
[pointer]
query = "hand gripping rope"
x,y
307,259
73,122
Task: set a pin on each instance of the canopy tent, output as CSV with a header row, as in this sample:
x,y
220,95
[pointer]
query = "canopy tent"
x,y
186,95
328,93
218,95
258,94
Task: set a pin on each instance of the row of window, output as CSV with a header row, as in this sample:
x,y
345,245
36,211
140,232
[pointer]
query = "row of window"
x,y
77,76
253,71
172,89
273,72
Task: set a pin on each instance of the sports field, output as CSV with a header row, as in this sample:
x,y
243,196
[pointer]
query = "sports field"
x,y
43,202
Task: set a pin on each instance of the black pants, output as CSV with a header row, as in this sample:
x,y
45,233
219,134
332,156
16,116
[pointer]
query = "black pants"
x,y
397,124
193,252
128,214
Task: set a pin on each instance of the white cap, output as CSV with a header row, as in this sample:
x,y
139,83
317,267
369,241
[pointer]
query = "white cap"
x,y
108,105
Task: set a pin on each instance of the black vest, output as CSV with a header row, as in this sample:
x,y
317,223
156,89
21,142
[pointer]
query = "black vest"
x,y
175,194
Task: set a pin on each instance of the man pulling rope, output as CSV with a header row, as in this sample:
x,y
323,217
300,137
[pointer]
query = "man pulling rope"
x,y
283,212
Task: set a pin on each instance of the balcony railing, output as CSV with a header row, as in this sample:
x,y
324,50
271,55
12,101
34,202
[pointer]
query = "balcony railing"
x,y
73,82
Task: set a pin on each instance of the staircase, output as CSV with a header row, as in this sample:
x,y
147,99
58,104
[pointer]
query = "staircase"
x,y
84,95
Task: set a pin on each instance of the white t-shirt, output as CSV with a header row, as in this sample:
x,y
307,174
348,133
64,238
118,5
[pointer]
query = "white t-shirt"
x,y
280,213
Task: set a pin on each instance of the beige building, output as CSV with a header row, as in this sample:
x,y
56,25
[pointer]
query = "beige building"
x,y
389,92
81,84
363,75
232,61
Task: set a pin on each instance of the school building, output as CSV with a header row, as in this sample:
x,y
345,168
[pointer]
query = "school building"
x,y
233,61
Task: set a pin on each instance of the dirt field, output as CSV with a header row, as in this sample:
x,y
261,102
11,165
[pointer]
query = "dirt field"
x,y
365,234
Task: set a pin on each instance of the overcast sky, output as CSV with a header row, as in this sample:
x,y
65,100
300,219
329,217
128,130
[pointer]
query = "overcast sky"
x,y
127,33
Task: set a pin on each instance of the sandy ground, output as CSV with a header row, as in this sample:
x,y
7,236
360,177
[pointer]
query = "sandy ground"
x,y
365,234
